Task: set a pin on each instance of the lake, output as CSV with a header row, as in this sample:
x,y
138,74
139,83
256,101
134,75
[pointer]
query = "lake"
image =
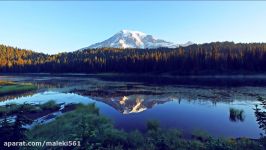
x,y
187,103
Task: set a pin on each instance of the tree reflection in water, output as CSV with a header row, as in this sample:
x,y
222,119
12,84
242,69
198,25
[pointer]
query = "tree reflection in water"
x,y
260,113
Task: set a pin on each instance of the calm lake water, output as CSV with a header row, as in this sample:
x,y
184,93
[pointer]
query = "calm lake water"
x,y
186,103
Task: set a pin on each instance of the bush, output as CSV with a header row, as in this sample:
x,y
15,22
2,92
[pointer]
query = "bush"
x,y
153,125
200,135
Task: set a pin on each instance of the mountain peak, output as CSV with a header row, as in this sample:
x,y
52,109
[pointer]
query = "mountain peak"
x,y
132,32
133,39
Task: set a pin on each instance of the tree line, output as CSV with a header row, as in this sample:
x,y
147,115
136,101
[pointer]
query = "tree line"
x,y
210,58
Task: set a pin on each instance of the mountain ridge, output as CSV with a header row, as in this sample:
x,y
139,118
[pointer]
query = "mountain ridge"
x,y
134,39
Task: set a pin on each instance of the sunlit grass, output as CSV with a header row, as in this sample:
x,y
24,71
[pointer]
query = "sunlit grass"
x,y
2,83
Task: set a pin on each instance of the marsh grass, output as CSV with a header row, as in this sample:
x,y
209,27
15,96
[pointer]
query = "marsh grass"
x,y
13,88
13,108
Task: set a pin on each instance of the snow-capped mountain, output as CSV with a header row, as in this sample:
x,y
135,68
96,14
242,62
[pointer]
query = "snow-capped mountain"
x,y
134,39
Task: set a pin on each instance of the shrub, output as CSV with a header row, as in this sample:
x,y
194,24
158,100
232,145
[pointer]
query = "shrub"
x,y
200,135
153,125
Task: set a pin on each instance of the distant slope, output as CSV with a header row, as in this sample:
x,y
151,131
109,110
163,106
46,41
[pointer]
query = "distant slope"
x,y
13,59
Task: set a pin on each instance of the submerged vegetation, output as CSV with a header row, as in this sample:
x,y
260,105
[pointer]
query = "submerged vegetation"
x,y
7,88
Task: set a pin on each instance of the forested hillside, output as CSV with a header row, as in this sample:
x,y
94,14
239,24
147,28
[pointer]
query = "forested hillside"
x,y
212,58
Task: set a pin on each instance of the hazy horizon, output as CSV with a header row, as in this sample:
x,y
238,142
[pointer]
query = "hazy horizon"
x,y
53,27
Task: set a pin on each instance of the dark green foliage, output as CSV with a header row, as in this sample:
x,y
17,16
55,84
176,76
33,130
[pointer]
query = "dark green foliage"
x,y
153,125
13,131
18,133
200,135
135,139
211,58
232,144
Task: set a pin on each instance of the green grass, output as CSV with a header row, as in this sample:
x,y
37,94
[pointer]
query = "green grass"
x,y
69,125
13,88
94,131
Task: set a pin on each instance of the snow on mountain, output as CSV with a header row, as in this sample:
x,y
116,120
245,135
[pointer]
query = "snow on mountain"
x,y
134,39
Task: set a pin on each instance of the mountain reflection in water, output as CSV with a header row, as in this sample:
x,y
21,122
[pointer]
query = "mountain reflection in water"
x,y
130,104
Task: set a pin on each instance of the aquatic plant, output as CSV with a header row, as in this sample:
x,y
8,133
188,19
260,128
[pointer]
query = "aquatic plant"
x,y
236,114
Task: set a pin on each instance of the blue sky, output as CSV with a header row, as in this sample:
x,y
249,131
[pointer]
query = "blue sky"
x,y
53,27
